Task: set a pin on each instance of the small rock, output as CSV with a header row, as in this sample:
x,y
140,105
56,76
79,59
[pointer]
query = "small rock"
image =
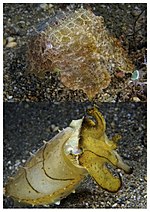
x,y
136,12
120,74
114,205
54,128
87,204
11,45
57,202
23,160
4,42
10,39
9,97
136,99
44,6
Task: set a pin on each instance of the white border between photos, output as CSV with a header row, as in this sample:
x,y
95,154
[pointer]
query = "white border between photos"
x,y
1,92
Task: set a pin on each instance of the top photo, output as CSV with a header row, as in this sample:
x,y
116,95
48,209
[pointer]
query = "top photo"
x,y
75,52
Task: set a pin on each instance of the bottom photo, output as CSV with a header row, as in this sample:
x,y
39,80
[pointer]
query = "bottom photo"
x,y
75,155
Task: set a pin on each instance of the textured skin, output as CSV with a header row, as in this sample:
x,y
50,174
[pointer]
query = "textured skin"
x,y
57,168
98,151
78,46
48,176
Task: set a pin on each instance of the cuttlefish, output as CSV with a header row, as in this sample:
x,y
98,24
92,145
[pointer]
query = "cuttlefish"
x,y
77,45
59,166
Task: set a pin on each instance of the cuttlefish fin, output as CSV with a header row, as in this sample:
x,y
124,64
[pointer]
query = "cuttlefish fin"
x,y
95,165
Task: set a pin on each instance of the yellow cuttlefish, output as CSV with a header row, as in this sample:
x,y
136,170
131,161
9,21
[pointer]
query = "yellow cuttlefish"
x,y
61,164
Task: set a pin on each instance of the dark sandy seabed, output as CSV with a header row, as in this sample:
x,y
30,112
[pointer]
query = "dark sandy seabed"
x,y
26,125
127,22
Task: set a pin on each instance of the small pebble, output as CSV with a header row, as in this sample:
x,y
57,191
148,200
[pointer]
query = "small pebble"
x,y
44,6
114,205
4,42
10,39
9,97
54,128
57,202
136,99
120,74
86,203
11,45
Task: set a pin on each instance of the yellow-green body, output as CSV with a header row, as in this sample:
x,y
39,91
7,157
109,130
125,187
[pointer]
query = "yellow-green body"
x,y
62,163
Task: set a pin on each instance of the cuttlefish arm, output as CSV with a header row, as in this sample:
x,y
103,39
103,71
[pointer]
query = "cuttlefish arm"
x,y
98,151
96,167
97,128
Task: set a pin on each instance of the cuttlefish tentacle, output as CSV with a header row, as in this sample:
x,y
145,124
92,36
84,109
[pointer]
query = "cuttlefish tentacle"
x,y
120,164
100,121
97,150
116,138
96,128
